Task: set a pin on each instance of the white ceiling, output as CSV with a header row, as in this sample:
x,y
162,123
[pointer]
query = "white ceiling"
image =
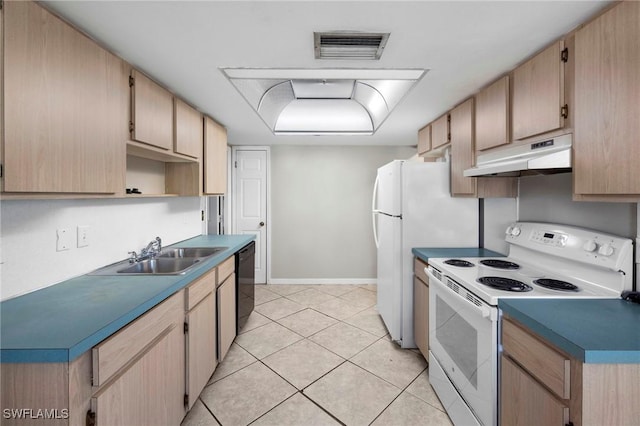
x,y
182,44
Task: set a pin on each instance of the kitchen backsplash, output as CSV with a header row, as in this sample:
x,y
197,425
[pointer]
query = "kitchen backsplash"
x,y
29,259
548,199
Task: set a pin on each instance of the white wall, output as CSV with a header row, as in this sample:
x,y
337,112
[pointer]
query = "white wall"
x,y
28,256
549,199
321,211
498,214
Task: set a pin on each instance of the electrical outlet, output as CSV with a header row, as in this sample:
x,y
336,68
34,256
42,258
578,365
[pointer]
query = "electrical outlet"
x,y
64,239
83,236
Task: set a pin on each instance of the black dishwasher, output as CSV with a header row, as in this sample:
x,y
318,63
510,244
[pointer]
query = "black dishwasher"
x,y
245,284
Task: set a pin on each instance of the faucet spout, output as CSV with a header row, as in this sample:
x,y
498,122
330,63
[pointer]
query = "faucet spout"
x,y
152,250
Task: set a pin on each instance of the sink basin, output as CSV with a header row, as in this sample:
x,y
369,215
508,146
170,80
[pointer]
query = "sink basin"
x,y
160,266
173,261
192,252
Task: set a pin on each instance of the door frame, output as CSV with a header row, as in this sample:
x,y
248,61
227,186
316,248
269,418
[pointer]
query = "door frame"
x,y
233,206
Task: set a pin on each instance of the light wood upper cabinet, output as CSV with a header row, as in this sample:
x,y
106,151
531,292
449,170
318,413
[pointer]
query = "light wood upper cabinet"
x,y
607,111
440,132
151,112
424,139
65,107
188,128
492,115
215,157
462,149
538,94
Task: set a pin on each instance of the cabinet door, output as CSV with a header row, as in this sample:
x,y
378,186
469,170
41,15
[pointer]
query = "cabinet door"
x,y
523,401
201,346
65,107
226,295
538,94
424,139
492,115
149,392
151,112
440,132
188,128
215,157
607,111
421,315
462,149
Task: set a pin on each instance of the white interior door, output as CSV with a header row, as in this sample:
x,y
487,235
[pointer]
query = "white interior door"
x,y
250,195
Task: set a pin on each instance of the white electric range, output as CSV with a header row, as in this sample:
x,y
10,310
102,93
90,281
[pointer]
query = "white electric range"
x,y
545,261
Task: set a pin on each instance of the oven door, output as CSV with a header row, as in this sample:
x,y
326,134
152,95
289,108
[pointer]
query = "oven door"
x,y
463,334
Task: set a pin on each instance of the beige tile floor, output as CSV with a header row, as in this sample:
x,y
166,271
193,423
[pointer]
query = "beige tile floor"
x,y
317,355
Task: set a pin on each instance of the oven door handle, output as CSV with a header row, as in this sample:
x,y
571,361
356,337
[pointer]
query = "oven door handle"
x,y
483,309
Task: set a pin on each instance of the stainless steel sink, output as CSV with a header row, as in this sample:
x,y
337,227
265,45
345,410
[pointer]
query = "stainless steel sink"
x,y
173,261
192,252
160,266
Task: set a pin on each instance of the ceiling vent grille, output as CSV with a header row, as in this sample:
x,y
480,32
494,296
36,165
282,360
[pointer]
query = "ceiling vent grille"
x,y
349,45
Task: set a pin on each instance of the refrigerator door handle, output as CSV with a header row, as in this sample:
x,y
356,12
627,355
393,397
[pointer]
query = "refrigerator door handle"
x,y
374,211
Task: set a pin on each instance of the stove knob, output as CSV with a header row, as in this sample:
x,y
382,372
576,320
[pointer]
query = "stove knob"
x,y
606,250
515,231
508,231
590,246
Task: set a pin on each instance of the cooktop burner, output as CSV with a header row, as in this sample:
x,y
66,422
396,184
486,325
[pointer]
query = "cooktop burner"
x,y
506,284
555,284
500,264
459,262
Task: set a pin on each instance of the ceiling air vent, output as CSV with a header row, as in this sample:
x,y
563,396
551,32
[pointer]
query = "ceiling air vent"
x,y
349,45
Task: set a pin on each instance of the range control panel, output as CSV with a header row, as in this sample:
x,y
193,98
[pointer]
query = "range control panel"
x,y
584,245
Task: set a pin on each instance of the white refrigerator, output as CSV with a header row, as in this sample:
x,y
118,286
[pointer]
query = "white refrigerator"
x,y
412,207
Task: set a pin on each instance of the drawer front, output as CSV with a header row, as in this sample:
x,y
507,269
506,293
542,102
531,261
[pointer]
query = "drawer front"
x,y
199,289
546,364
115,352
418,270
225,269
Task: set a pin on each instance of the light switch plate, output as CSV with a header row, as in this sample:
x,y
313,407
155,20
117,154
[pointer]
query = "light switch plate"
x,y
83,236
64,239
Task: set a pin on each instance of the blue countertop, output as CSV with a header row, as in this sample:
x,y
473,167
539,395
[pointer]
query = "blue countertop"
x,y
426,253
595,331
61,322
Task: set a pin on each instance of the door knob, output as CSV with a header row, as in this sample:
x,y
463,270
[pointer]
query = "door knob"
x,y
261,223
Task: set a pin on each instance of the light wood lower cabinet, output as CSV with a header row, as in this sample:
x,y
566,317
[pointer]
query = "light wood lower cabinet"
x,y
201,329
542,385
421,307
525,402
148,392
144,386
226,295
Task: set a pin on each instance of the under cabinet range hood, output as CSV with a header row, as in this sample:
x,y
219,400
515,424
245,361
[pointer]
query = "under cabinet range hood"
x,y
544,157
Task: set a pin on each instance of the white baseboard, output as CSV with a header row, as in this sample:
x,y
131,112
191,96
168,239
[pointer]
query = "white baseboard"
x,y
322,281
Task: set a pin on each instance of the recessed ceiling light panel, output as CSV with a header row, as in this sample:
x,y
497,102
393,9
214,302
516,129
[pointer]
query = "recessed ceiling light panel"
x,y
324,101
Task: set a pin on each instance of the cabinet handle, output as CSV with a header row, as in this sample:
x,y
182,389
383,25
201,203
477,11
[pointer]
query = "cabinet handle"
x,y
261,223
564,111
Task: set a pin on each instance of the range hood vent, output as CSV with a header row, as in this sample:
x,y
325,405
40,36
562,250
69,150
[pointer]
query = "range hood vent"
x,y
545,157
349,45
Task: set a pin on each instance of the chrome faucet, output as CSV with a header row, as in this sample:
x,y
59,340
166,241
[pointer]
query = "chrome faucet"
x,y
152,250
